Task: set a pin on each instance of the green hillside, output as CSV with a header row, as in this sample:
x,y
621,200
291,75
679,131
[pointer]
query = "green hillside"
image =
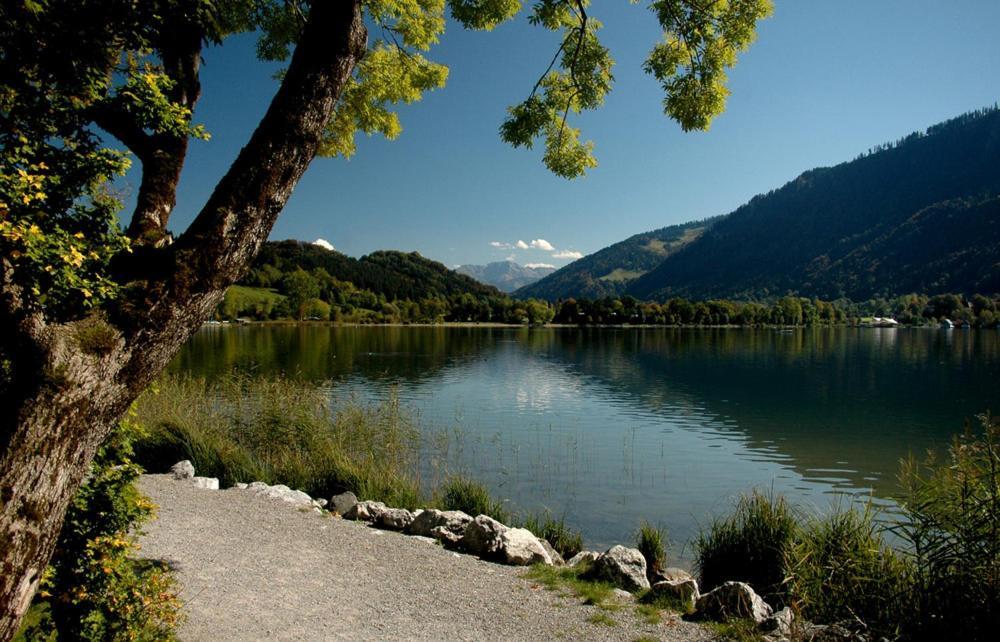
x,y
609,271
917,215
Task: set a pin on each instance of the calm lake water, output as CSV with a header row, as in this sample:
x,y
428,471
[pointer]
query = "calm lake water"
x,y
611,426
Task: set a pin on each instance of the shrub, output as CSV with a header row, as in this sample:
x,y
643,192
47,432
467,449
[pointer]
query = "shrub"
x,y
749,546
651,541
565,540
94,588
952,529
277,430
469,496
840,568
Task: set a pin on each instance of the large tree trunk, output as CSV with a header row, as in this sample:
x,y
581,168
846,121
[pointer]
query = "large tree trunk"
x,y
51,432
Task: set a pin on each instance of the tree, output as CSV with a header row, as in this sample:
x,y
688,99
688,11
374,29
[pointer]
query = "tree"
x,y
91,313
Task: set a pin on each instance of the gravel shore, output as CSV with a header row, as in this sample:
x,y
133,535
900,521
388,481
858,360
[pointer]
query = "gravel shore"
x,y
252,568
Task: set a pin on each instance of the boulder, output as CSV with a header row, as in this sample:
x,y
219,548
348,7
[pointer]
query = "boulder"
x,y
281,492
732,600
182,470
779,624
670,574
210,483
365,511
622,566
520,547
343,502
583,557
240,486
682,592
557,559
483,536
395,519
843,631
445,525
622,595
320,503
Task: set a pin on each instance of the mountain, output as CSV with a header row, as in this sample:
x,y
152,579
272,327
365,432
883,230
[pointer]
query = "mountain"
x,y
396,275
609,271
506,276
920,214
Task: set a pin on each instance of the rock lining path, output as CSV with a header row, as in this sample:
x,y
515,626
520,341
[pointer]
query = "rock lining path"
x,y
253,568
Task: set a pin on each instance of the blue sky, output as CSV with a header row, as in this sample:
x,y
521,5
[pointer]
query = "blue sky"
x,y
826,80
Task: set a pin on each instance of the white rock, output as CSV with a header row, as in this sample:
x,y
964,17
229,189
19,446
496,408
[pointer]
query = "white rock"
x,y
320,503
733,600
588,557
483,536
780,623
623,595
520,547
394,518
557,559
182,470
343,502
210,483
240,486
683,591
445,525
365,511
282,492
624,567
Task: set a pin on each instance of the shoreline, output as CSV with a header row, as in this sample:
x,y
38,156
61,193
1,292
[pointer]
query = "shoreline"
x,y
563,326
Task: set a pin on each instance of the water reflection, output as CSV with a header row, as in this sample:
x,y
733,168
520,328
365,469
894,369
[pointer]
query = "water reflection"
x,y
610,426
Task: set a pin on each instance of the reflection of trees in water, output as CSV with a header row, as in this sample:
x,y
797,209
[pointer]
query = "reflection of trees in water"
x,y
816,396
812,396
322,352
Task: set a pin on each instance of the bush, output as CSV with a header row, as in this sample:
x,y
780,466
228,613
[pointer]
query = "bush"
x,y
952,528
651,542
277,430
94,588
749,546
840,568
565,540
469,496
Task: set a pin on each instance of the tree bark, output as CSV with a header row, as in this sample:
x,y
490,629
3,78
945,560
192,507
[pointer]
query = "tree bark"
x,y
52,430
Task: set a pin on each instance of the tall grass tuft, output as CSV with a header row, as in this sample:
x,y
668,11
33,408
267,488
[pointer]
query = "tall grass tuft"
x,y
567,541
841,569
953,533
749,546
277,430
651,542
469,496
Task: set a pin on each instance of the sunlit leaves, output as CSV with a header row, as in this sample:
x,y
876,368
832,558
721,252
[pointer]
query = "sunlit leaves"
x,y
701,40
580,83
385,76
483,14
418,23
145,96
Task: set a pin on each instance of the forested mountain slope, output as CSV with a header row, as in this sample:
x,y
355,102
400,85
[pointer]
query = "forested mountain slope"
x,y
396,275
917,215
609,271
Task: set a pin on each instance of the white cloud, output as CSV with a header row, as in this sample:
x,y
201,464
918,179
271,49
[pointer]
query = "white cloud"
x,y
568,254
323,243
500,245
512,257
542,244
521,245
539,265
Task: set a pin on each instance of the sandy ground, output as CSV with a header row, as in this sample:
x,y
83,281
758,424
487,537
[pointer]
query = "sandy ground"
x,y
252,568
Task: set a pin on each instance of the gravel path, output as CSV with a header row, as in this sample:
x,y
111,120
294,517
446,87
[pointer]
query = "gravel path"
x,y
252,568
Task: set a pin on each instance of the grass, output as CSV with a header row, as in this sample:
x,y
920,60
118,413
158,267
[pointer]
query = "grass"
x,y
469,496
603,619
565,540
736,630
569,581
651,542
751,546
278,430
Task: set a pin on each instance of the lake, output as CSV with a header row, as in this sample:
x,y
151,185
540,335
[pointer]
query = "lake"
x,y
610,426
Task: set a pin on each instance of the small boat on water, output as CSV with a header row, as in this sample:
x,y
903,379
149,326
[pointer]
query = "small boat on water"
x,y
880,322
